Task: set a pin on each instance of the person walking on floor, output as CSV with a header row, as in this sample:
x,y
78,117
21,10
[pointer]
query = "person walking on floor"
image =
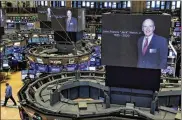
x,y
8,95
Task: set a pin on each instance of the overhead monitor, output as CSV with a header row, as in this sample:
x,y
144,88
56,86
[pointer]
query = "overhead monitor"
x,y
55,68
135,40
5,64
69,20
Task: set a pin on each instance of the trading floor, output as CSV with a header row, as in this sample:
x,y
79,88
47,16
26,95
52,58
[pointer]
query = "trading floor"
x,y
90,60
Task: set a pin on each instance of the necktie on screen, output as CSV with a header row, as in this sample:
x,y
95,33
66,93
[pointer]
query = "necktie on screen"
x,y
145,46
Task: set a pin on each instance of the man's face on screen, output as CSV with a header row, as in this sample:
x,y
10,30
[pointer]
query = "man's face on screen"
x,y
69,14
148,27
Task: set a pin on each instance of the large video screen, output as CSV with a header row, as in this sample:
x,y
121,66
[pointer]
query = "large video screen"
x,y
70,20
135,40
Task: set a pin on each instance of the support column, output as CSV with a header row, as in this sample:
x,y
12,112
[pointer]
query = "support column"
x,y
138,6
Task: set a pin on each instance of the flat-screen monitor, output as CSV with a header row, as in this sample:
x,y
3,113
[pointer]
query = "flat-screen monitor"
x,y
97,61
71,67
18,56
135,40
41,68
92,68
5,64
83,66
70,20
25,72
11,25
35,40
177,34
92,61
134,78
177,24
55,68
8,50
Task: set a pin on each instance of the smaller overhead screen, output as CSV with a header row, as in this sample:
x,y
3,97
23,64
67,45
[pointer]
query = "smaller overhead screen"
x,y
70,20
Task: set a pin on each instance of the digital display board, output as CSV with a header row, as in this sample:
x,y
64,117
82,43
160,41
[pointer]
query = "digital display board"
x,y
70,20
142,43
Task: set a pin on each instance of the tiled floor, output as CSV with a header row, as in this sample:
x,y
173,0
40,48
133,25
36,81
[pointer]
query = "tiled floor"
x,y
8,113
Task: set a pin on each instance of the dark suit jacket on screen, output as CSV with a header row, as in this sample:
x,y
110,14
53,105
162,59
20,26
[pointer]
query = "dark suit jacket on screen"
x,y
72,26
156,54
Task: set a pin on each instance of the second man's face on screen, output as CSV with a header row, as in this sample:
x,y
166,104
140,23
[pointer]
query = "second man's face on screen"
x,y
148,27
69,14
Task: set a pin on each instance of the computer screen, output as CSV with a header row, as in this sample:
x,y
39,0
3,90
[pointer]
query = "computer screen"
x,y
135,40
71,67
70,20
8,50
41,68
83,66
18,56
25,72
5,64
92,61
55,68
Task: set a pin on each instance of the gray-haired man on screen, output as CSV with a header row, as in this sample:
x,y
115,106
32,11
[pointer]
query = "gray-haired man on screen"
x,y
152,49
71,22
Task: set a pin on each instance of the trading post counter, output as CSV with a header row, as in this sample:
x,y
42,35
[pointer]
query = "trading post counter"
x,y
84,96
